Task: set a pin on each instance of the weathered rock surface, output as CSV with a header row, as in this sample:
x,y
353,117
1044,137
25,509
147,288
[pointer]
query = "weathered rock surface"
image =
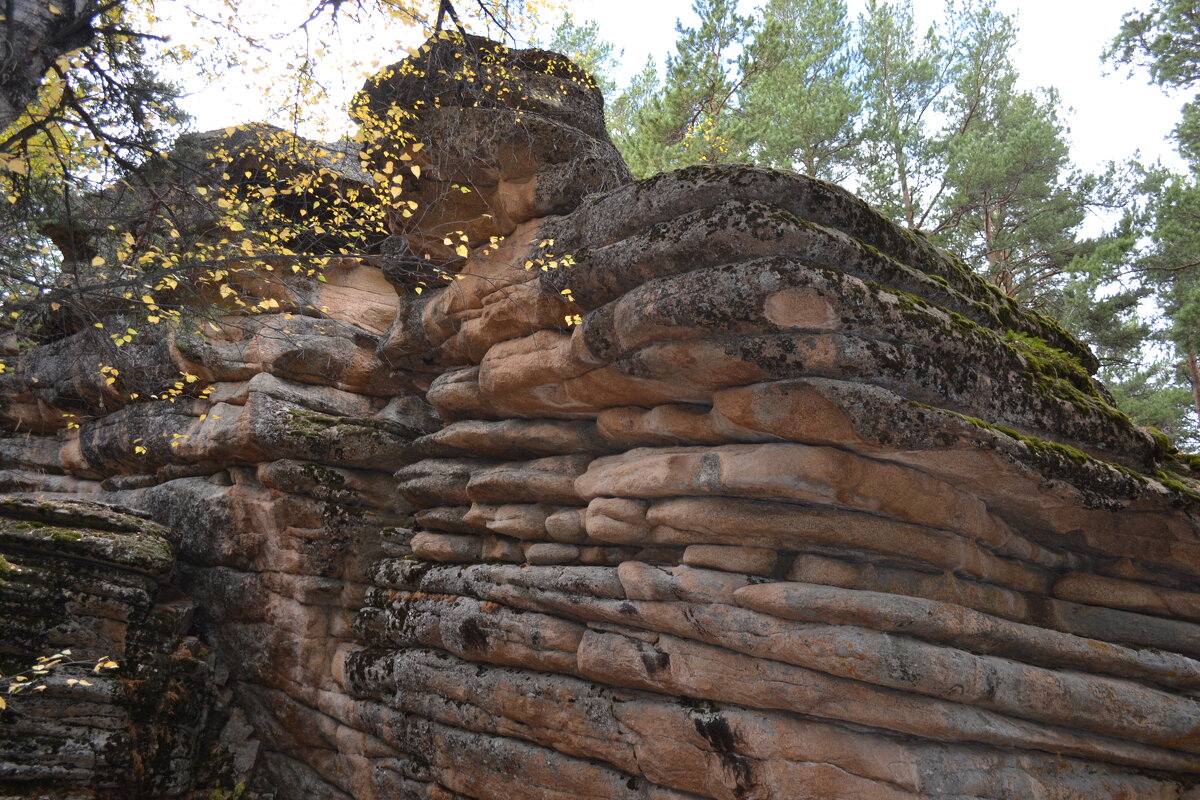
x,y
82,578
523,131
797,507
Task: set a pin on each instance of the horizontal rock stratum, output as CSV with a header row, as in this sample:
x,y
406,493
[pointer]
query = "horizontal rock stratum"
x,y
713,485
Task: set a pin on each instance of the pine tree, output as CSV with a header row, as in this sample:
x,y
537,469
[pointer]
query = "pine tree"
x,y
903,76
1171,267
693,118
800,113
1165,38
581,43
626,116
1013,203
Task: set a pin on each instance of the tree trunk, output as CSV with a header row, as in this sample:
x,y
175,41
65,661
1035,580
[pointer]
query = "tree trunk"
x,y
36,33
1195,375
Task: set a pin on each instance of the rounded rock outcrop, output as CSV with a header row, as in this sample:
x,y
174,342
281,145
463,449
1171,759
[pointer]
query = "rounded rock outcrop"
x,y
713,485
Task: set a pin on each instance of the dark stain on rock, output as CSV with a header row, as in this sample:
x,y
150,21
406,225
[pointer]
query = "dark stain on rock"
x,y
472,635
716,731
654,659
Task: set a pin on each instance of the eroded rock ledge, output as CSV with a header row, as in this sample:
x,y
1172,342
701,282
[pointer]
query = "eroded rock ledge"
x,y
799,508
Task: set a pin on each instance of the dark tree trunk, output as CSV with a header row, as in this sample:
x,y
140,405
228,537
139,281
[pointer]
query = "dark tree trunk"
x,y
35,34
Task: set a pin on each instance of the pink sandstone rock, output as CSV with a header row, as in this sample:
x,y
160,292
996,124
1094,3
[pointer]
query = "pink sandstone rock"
x,y
793,511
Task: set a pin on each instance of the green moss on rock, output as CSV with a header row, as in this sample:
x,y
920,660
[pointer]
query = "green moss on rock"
x,y
89,532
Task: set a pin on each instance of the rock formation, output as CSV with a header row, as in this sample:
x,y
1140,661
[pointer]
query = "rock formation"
x,y
93,582
714,485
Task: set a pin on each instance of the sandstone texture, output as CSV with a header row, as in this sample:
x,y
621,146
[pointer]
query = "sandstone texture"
x,y
714,485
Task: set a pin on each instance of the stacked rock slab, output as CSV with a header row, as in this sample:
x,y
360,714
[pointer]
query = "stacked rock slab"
x,y
734,490
800,509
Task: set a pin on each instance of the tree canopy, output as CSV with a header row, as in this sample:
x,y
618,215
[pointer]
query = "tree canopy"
x,y
1165,40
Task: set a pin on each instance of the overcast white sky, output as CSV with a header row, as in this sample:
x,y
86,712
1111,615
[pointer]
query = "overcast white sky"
x,y
1112,114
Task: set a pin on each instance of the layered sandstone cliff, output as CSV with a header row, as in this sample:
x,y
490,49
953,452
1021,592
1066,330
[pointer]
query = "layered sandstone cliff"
x,y
716,485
